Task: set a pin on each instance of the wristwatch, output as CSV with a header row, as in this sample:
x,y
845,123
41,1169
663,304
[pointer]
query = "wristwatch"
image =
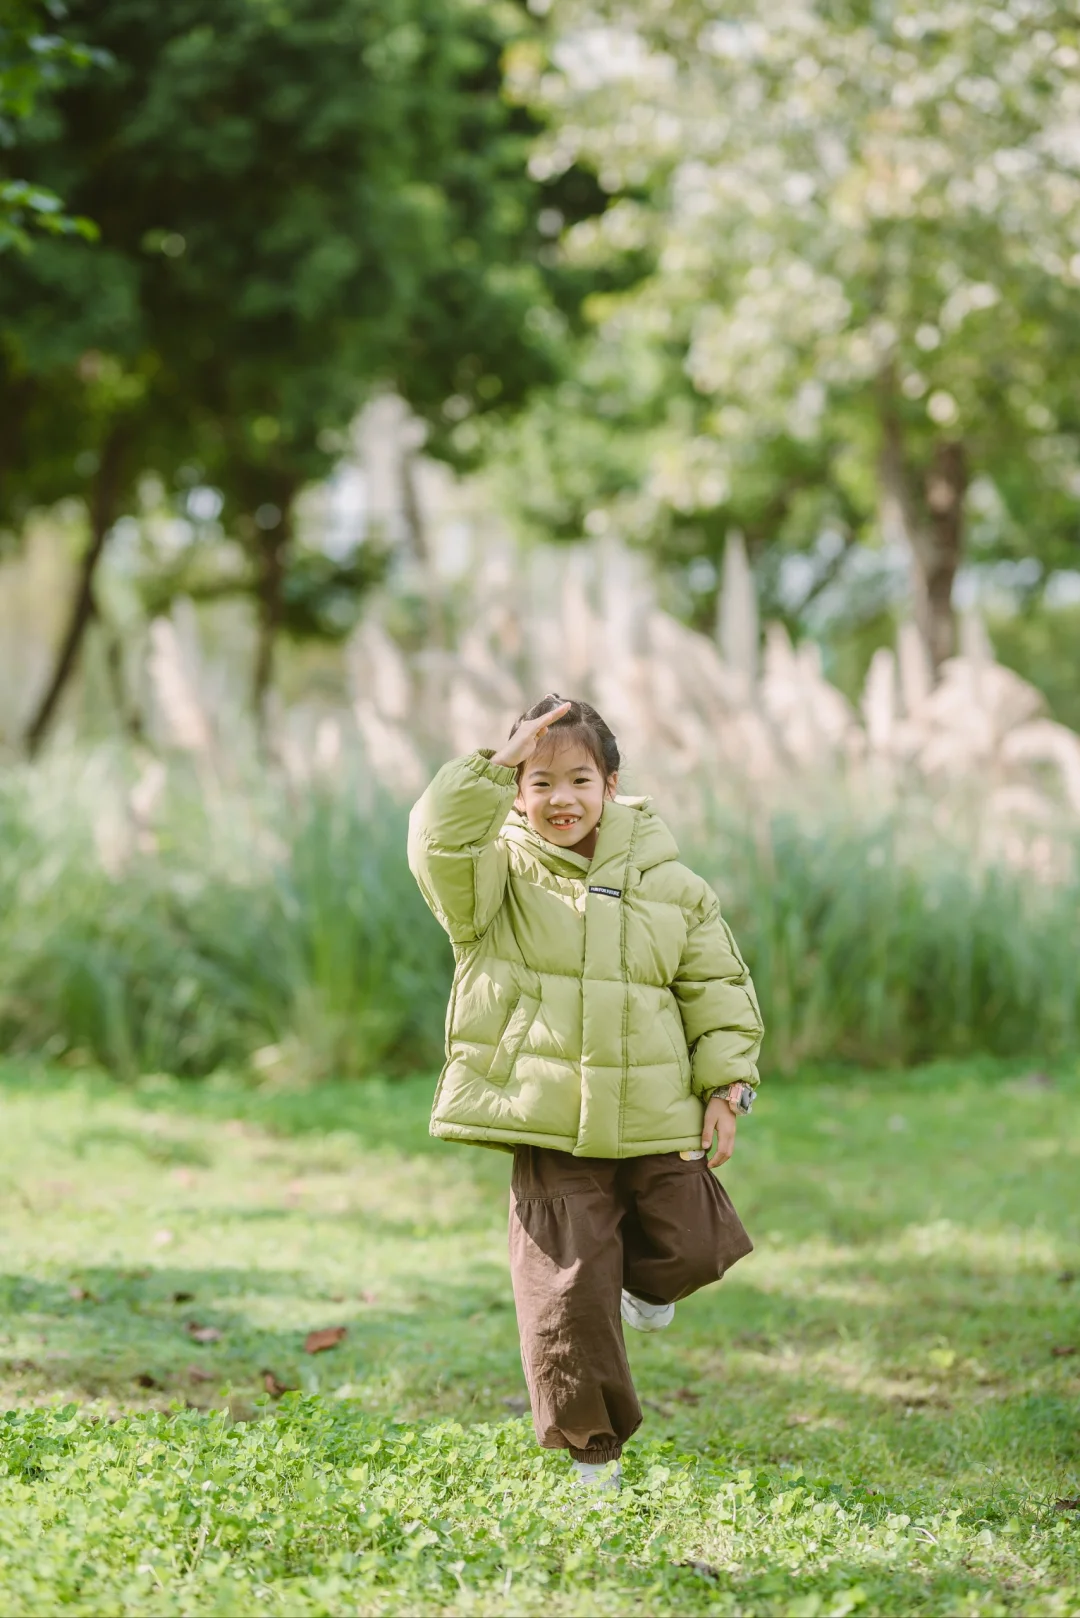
x,y
739,1097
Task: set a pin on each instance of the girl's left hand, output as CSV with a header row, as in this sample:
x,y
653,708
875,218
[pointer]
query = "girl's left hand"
x,y
719,1121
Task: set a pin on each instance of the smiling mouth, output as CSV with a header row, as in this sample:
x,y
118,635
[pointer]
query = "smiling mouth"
x,y
563,822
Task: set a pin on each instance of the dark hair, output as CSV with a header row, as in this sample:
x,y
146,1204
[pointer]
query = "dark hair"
x,y
583,723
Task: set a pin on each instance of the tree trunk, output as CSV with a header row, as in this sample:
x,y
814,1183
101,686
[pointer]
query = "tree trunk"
x,y
104,503
928,508
939,549
410,505
414,521
130,718
269,582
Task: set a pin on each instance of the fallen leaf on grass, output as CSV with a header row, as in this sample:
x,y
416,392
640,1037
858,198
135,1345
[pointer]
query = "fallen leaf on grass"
x,y
275,1388
687,1396
1068,1505
1064,1351
1066,1278
911,1403
197,1373
203,1334
799,1418
182,1297
80,1295
145,1380
316,1342
704,1570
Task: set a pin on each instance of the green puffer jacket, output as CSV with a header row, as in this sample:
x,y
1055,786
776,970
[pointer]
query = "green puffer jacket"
x,y
595,1003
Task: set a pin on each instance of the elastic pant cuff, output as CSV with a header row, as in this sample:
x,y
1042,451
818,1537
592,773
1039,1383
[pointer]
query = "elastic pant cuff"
x,y
597,1454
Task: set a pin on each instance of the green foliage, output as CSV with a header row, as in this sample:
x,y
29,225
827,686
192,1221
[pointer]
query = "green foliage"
x,y
1043,645
322,596
251,927
294,204
864,1418
34,59
261,925
886,940
865,224
298,205
318,1510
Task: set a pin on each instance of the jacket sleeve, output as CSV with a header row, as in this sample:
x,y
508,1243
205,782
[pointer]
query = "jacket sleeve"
x,y
719,1007
454,853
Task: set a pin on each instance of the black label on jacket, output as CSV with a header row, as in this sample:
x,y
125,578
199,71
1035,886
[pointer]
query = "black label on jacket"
x,y
612,893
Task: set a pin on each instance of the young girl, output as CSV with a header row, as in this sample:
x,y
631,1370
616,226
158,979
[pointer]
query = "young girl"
x,y
603,1027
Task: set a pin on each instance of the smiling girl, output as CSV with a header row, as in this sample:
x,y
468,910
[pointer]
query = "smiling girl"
x,y
603,1027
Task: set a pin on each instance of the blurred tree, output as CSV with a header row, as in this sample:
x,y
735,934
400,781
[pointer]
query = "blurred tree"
x,y
297,203
867,225
34,56
1043,645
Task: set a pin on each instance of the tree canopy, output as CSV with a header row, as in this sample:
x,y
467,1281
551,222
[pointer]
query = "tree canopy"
x,y
866,222
34,57
296,204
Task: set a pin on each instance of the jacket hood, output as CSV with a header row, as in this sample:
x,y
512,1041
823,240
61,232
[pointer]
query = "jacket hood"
x,y
630,831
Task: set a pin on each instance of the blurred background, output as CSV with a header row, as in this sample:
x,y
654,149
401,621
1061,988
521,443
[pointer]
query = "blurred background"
x,y
370,367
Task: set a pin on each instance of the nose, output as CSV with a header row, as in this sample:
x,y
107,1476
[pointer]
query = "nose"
x,y
561,795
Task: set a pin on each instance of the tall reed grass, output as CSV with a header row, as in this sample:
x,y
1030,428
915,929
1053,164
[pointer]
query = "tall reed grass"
x,y
886,941
259,927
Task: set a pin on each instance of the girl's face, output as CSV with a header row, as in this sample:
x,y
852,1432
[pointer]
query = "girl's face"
x,y
562,792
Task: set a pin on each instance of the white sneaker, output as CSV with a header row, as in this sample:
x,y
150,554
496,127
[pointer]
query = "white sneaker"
x,y
645,1316
606,1475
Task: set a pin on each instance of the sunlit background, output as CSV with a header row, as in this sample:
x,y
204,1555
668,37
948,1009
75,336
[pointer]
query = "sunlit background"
x,y
367,370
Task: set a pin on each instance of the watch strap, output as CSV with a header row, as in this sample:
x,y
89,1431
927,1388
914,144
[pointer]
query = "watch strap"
x,y
742,1101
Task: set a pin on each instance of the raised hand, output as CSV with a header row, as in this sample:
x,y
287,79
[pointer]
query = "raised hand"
x,y
527,737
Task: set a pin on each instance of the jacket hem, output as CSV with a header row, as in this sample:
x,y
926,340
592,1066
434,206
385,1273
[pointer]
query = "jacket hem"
x,y
507,1139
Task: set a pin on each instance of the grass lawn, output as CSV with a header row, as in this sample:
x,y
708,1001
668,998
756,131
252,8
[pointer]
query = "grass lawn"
x,y
875,1413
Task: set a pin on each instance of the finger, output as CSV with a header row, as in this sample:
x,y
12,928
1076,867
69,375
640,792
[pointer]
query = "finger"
x,y
547,719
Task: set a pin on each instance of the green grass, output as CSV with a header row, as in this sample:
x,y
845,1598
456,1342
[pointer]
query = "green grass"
x,y
866,1416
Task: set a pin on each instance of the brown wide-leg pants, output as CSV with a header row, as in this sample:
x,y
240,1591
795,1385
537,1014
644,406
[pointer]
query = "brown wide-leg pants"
x,y
581,1229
